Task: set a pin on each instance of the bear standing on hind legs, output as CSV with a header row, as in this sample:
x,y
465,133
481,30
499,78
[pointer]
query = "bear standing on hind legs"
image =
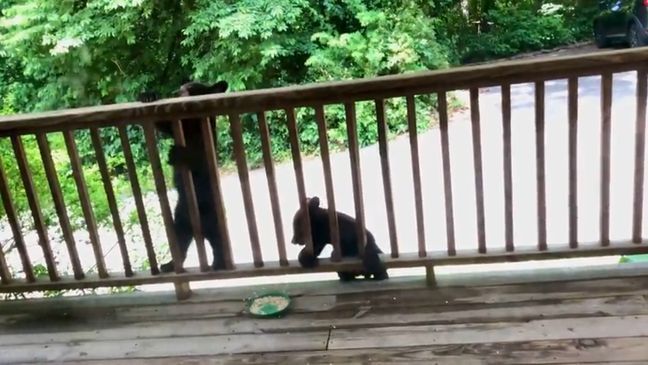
x,y
192,156
319,222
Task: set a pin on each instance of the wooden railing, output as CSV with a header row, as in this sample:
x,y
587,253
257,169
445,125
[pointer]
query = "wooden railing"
x,y
316,96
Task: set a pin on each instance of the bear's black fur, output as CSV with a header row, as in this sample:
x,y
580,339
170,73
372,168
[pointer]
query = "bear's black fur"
x,y
192,156
319,222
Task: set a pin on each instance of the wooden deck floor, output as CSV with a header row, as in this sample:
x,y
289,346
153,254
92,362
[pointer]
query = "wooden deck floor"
x,y
399,321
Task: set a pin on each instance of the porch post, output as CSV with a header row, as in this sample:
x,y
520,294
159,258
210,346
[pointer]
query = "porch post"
x,y
430,278
182,289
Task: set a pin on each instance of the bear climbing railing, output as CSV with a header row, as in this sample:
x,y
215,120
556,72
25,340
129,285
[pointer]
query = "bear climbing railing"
x,y
92,271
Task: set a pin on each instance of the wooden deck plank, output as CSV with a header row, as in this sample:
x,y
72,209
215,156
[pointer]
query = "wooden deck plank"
x,y
220,294
234,307
404,289
628,351
359,317
162,347
398,322
560,329
318,307
332,306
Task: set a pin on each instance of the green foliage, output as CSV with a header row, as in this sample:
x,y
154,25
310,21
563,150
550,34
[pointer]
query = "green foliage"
x,y
250,43
122,289
14,179
511,28
40,271
388,41
578,16
86,53
516,31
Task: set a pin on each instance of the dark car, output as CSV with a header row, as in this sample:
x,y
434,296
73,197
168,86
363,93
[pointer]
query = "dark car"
x,y
621,21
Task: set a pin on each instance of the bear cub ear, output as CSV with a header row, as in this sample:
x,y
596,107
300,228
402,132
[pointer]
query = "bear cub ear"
x,y
189,88
148,97
219,87
194,88
313,202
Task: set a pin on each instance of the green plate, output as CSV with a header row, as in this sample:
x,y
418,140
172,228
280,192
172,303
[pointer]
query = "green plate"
x,y
264,306
634,258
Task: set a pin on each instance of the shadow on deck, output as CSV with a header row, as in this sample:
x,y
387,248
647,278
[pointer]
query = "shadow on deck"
x,y
579,320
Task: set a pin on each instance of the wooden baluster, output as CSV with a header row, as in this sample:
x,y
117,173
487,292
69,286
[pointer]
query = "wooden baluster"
x,y
508,169
293,135
244,179
84,199
192,200
356,176
137,196
447,174
606,129
160,187
416,174
182,289
573,160
272,187
214,179
328,181
5,275
59,204
477,161
112,202
640,150
34,206
12,217
540,161
383,148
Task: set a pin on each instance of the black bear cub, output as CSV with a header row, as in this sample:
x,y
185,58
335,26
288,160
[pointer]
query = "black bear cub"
x,y
192,156
319,222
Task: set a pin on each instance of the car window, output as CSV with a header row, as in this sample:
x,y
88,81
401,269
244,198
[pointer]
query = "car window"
x,y
616,5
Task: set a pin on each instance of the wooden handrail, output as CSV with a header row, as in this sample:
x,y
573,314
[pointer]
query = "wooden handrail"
x,y
334,92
